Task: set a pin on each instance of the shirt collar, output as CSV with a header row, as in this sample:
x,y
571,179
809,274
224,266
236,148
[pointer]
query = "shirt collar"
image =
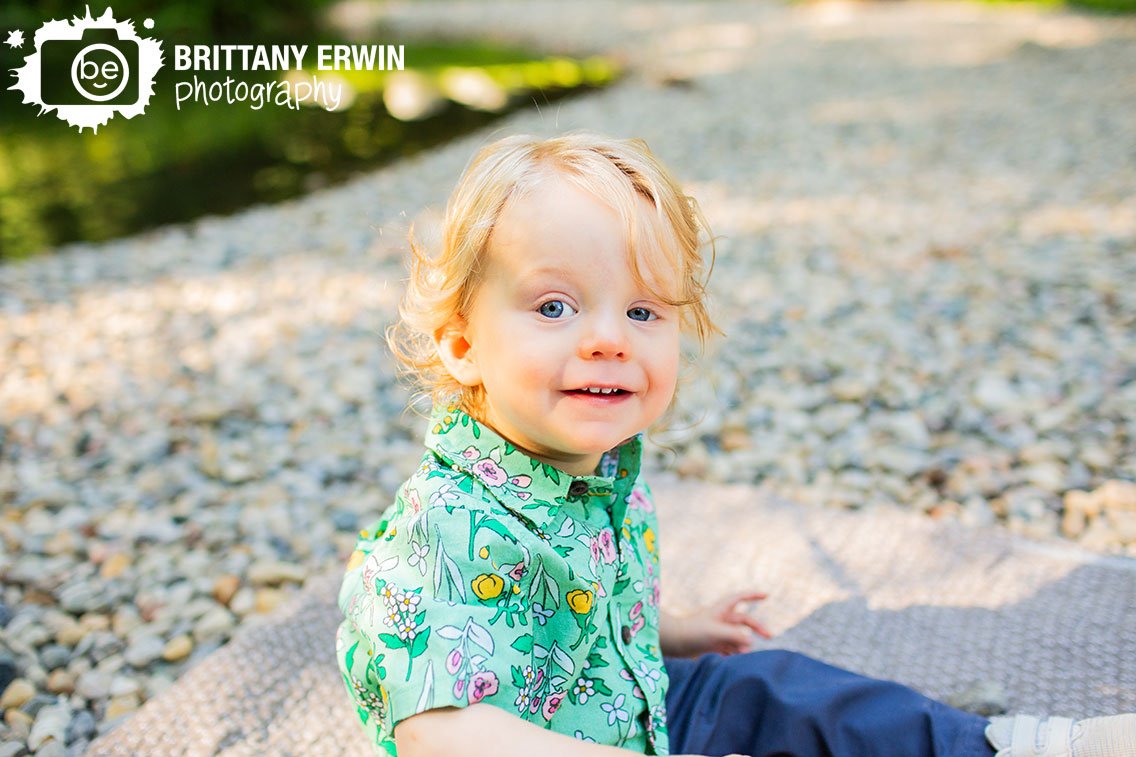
x,y
533,489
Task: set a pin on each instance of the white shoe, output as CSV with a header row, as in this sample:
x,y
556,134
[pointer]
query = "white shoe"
x,y
1029,736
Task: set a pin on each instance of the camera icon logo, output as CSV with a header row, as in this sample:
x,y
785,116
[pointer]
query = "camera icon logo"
x,y
90,69
99,68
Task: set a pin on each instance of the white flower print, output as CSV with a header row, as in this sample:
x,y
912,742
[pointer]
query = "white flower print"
x,y
444,492
648,675
407,629
583,689
419,557
614,710
408,601
388,594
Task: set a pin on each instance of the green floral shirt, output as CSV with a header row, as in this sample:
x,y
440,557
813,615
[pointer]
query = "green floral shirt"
x,y
497,578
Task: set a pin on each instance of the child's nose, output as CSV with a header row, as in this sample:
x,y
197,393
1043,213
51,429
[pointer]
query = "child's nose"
x,y
605,336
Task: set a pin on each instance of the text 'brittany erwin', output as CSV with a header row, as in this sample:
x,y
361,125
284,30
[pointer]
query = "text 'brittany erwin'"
x,y
288,57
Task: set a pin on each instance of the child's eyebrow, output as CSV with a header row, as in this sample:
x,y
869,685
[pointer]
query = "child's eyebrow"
x,y
546,271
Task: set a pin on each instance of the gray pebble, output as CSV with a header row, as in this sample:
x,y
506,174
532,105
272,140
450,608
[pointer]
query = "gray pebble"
x,y
50,724
54,656
144,650
81,727
9,671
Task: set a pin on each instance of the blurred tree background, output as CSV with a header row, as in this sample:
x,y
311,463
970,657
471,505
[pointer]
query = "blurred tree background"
x,y
172,165
212,21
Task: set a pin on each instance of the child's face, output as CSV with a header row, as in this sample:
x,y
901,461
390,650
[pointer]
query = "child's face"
x,y
535,335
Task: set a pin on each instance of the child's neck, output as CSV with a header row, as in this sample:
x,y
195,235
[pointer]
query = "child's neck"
x,y
582,466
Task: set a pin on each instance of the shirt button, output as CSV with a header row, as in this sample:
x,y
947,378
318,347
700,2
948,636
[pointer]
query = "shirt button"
x,y
626,633
578,488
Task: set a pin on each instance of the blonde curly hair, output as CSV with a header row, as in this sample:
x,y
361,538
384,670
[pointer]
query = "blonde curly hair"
x,y
442,287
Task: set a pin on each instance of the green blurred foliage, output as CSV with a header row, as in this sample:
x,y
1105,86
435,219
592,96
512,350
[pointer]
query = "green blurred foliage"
x,y
1106,6
170,165
210,21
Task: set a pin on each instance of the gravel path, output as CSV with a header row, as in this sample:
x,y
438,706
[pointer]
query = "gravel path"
x,y
926,270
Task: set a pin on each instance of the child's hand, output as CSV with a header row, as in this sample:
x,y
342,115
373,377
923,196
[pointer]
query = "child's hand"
x,y
723,629
718,628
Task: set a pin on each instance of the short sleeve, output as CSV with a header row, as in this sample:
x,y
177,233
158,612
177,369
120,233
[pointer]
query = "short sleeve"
x,y
437,615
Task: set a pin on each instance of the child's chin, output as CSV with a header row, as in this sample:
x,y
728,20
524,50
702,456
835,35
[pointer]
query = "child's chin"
x,y
597,445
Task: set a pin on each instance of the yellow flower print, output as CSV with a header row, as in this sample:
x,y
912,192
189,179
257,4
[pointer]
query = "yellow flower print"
x,y
487,585
580,601
356,559
484,553
649,540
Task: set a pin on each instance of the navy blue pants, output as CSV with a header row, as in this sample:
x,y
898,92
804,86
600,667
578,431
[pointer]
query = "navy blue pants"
x,y
784,703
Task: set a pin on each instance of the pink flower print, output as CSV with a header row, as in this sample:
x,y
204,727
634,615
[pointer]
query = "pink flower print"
x,y
639,501
638,692
552,704
459,688
521,481
534,705
655,593
471,453
523,495
595,547
482,685
637,625
490,472
517,571
415,502
607,545
539,678
453,661
637,610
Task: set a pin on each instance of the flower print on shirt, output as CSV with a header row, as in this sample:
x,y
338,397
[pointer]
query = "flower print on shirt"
x,y
485,581
615,710
640,501
607,545
489,471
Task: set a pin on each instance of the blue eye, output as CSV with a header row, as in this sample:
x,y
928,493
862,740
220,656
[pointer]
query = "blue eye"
x,y
637,311
554,308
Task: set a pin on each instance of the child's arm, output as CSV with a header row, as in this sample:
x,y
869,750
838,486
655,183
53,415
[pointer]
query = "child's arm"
x,y
485,729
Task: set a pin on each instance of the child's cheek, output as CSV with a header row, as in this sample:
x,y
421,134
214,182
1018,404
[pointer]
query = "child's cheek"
x,y
533,367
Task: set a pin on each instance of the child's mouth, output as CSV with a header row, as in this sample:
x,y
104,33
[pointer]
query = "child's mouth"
x,y
615,396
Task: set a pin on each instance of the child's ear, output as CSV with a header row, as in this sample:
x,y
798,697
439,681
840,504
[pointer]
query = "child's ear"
x,y
457,353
